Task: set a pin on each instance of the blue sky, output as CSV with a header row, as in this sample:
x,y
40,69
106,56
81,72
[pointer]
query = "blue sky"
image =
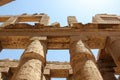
x,y
58,10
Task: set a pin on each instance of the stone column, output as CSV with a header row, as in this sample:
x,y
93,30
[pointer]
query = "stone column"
x,y
32,62
106,69
119,78
113,47
1,46
83,62
0,76
70,78
48,77
108,76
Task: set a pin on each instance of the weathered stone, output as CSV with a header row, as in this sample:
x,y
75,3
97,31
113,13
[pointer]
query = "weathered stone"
x,y
11,20
48,77
31,62
105,65
113,47
0,47
71,20
82,61
106,19
36,50
0,76
30,70
55,25
70,78
106,70
108,76
44,20
119,78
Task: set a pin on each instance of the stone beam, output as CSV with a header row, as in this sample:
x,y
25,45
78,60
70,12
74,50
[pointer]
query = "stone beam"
x,y
24,17
3,2
92,37
11,20
106,19
63,31
58,70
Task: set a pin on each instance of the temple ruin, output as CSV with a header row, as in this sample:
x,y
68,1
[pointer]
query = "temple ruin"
x,y
103,34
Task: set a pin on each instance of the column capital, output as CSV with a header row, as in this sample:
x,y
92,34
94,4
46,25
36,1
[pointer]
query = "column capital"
x,y
36,50
78,49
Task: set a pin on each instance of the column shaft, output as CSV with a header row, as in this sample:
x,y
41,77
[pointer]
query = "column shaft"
x,y
48,77
70,78
119,78
108,76
31,62
1,46
0,76
106,70
114,48
82,62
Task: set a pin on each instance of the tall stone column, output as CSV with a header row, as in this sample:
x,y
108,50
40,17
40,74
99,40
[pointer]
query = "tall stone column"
x,y
119,78
83,62
48,77
108,76
0,76
113,47
32,62
106,70
70,78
